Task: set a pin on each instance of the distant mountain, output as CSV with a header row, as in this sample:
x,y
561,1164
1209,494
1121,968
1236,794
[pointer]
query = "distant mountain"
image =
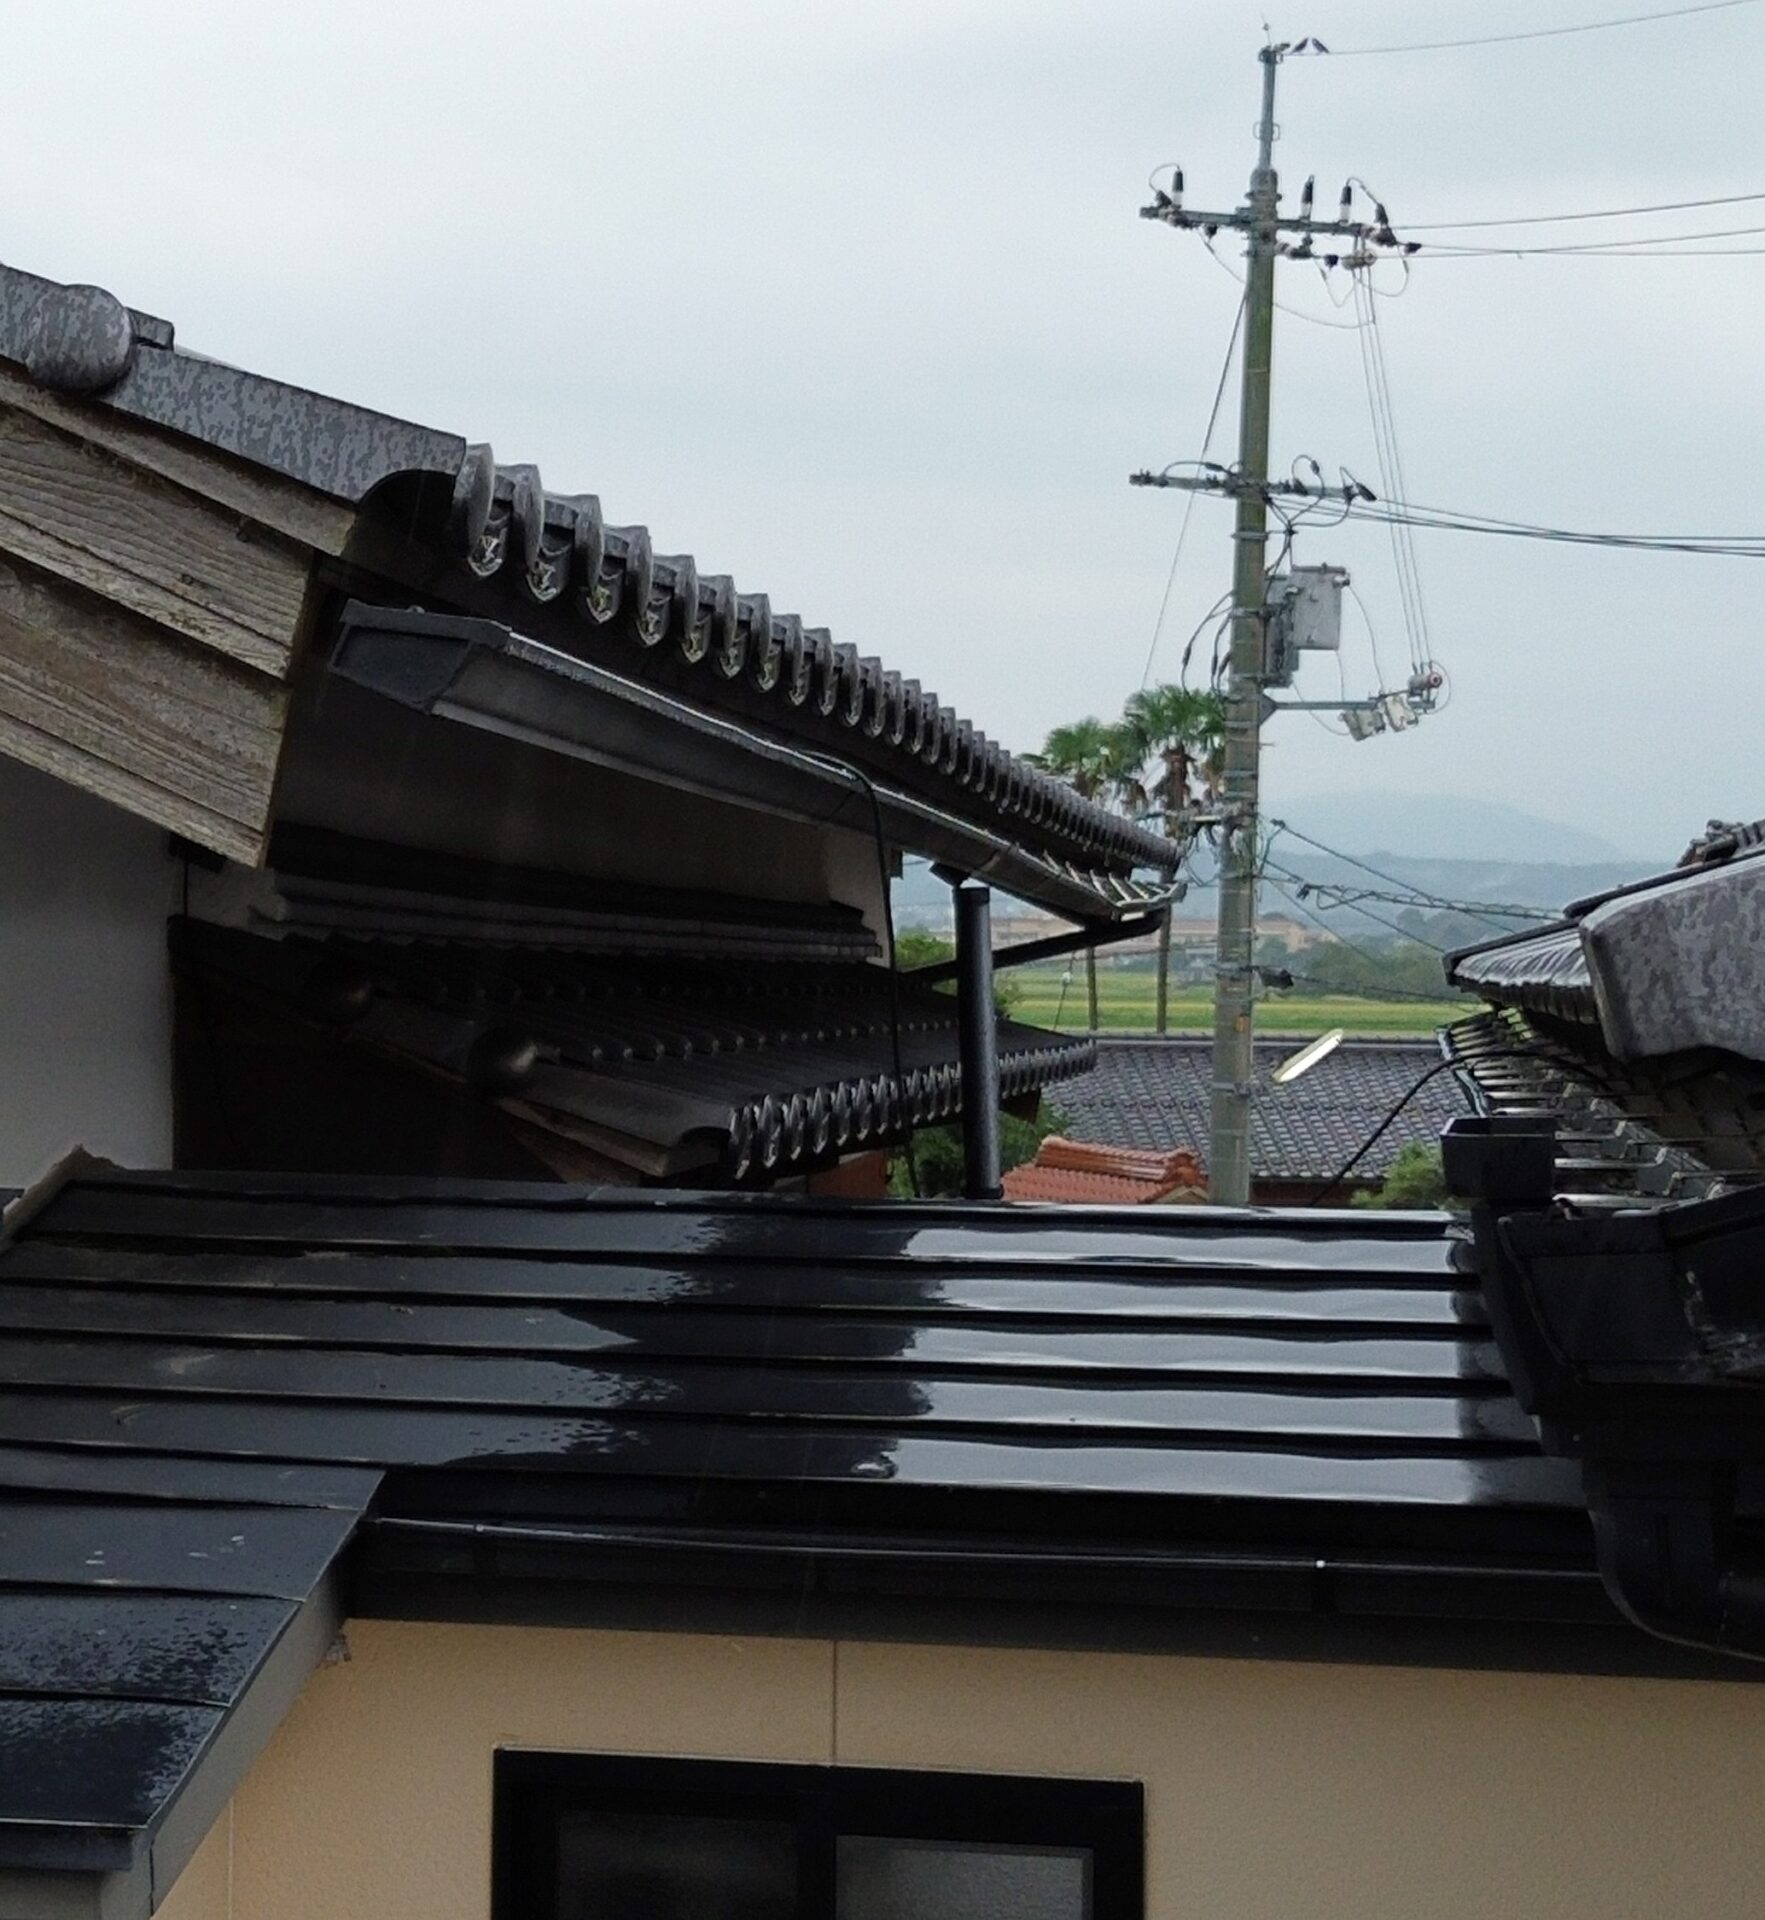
x,y
1445,826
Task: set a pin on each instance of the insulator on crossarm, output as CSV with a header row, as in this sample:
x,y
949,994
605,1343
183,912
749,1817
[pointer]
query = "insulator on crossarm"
x,y
1345,208
1177,188
1305,197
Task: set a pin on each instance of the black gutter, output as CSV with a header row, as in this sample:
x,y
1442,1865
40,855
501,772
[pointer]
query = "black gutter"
x,y
1637,1341
1289,1604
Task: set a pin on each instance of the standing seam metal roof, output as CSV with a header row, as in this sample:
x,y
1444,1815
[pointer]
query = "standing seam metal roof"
x,y
210,1384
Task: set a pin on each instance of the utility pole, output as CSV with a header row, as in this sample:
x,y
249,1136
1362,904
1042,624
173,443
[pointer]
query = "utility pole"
x,y
1262,224
1234,1007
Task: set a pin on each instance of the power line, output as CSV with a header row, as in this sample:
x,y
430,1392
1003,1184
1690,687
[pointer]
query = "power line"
x,y
1369,506
1296,313
1641,251
1440,519
1538,33
1562,219
1189,507
1403,547
1477,909
1618,246
1354,906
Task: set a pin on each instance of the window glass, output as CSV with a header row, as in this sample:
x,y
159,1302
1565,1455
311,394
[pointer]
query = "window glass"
x,y
883,1879
675,1866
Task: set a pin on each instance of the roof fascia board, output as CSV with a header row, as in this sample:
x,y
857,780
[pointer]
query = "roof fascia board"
x,y
244,1733
665,1601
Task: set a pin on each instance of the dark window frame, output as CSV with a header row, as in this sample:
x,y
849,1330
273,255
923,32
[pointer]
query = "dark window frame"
x,y
534,1790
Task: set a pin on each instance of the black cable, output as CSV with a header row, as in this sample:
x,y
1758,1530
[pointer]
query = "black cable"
x,y
1379,1132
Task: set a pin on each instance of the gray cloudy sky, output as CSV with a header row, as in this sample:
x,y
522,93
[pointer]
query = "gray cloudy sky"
x,y
851,300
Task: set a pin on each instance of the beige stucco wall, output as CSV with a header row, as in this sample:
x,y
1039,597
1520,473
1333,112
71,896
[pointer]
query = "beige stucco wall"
x,y
1274,1790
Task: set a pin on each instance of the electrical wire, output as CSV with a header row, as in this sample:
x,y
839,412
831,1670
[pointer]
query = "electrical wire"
x,y
1391,475
1538,33
1739,546
1378,1133
1213,416
1384,1126
1640,252
1444,520
1366,912
1372,639
1619,248
1287,980
1295,313
1477,909
1563,219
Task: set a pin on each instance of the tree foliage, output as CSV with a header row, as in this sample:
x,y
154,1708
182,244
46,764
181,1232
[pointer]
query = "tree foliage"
x,y
1414,1180
937,1154
1183,730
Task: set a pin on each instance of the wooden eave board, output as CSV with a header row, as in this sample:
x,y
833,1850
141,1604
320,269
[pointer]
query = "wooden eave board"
x,y
151,599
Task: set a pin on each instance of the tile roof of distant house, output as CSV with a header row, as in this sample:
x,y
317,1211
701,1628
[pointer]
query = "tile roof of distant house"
x,y
1083,1173
1156,1094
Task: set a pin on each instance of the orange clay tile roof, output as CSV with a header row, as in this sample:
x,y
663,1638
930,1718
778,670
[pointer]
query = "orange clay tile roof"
x,y
1077,1173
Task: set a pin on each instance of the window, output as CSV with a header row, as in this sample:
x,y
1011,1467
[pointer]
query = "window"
x,y
583,1837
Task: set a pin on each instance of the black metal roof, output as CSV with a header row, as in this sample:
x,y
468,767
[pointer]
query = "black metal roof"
x,y
554,1402
157,1617
1156,1093
494,541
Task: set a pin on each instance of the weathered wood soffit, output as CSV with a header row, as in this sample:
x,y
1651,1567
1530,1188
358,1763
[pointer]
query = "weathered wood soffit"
x,y
172,529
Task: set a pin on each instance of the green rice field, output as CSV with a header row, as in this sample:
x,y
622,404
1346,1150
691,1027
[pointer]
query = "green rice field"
x,y
1127,1002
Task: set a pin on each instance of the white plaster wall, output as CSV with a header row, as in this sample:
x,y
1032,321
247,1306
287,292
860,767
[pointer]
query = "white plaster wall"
x,y
85,994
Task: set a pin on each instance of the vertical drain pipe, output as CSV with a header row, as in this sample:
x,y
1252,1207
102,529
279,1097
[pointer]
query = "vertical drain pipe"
x,y
979,1042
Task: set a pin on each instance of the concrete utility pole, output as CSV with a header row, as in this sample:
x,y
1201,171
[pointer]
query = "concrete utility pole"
x,y
1262,224
1234,1011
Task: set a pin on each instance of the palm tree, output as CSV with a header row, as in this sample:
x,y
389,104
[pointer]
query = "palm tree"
x,y
1100,762
1184,728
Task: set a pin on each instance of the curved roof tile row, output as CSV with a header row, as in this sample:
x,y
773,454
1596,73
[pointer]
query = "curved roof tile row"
x,y
561,548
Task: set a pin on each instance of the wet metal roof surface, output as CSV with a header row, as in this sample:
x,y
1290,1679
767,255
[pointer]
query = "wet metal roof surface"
x,y
211,1387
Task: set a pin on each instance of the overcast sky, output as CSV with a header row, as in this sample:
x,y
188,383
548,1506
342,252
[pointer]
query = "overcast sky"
x,y
851,301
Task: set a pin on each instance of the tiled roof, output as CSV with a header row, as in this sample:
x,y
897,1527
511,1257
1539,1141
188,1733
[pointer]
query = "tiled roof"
x,y
739,1072
1157,1093
493,540
1082,1173
1623,1139
1664,966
